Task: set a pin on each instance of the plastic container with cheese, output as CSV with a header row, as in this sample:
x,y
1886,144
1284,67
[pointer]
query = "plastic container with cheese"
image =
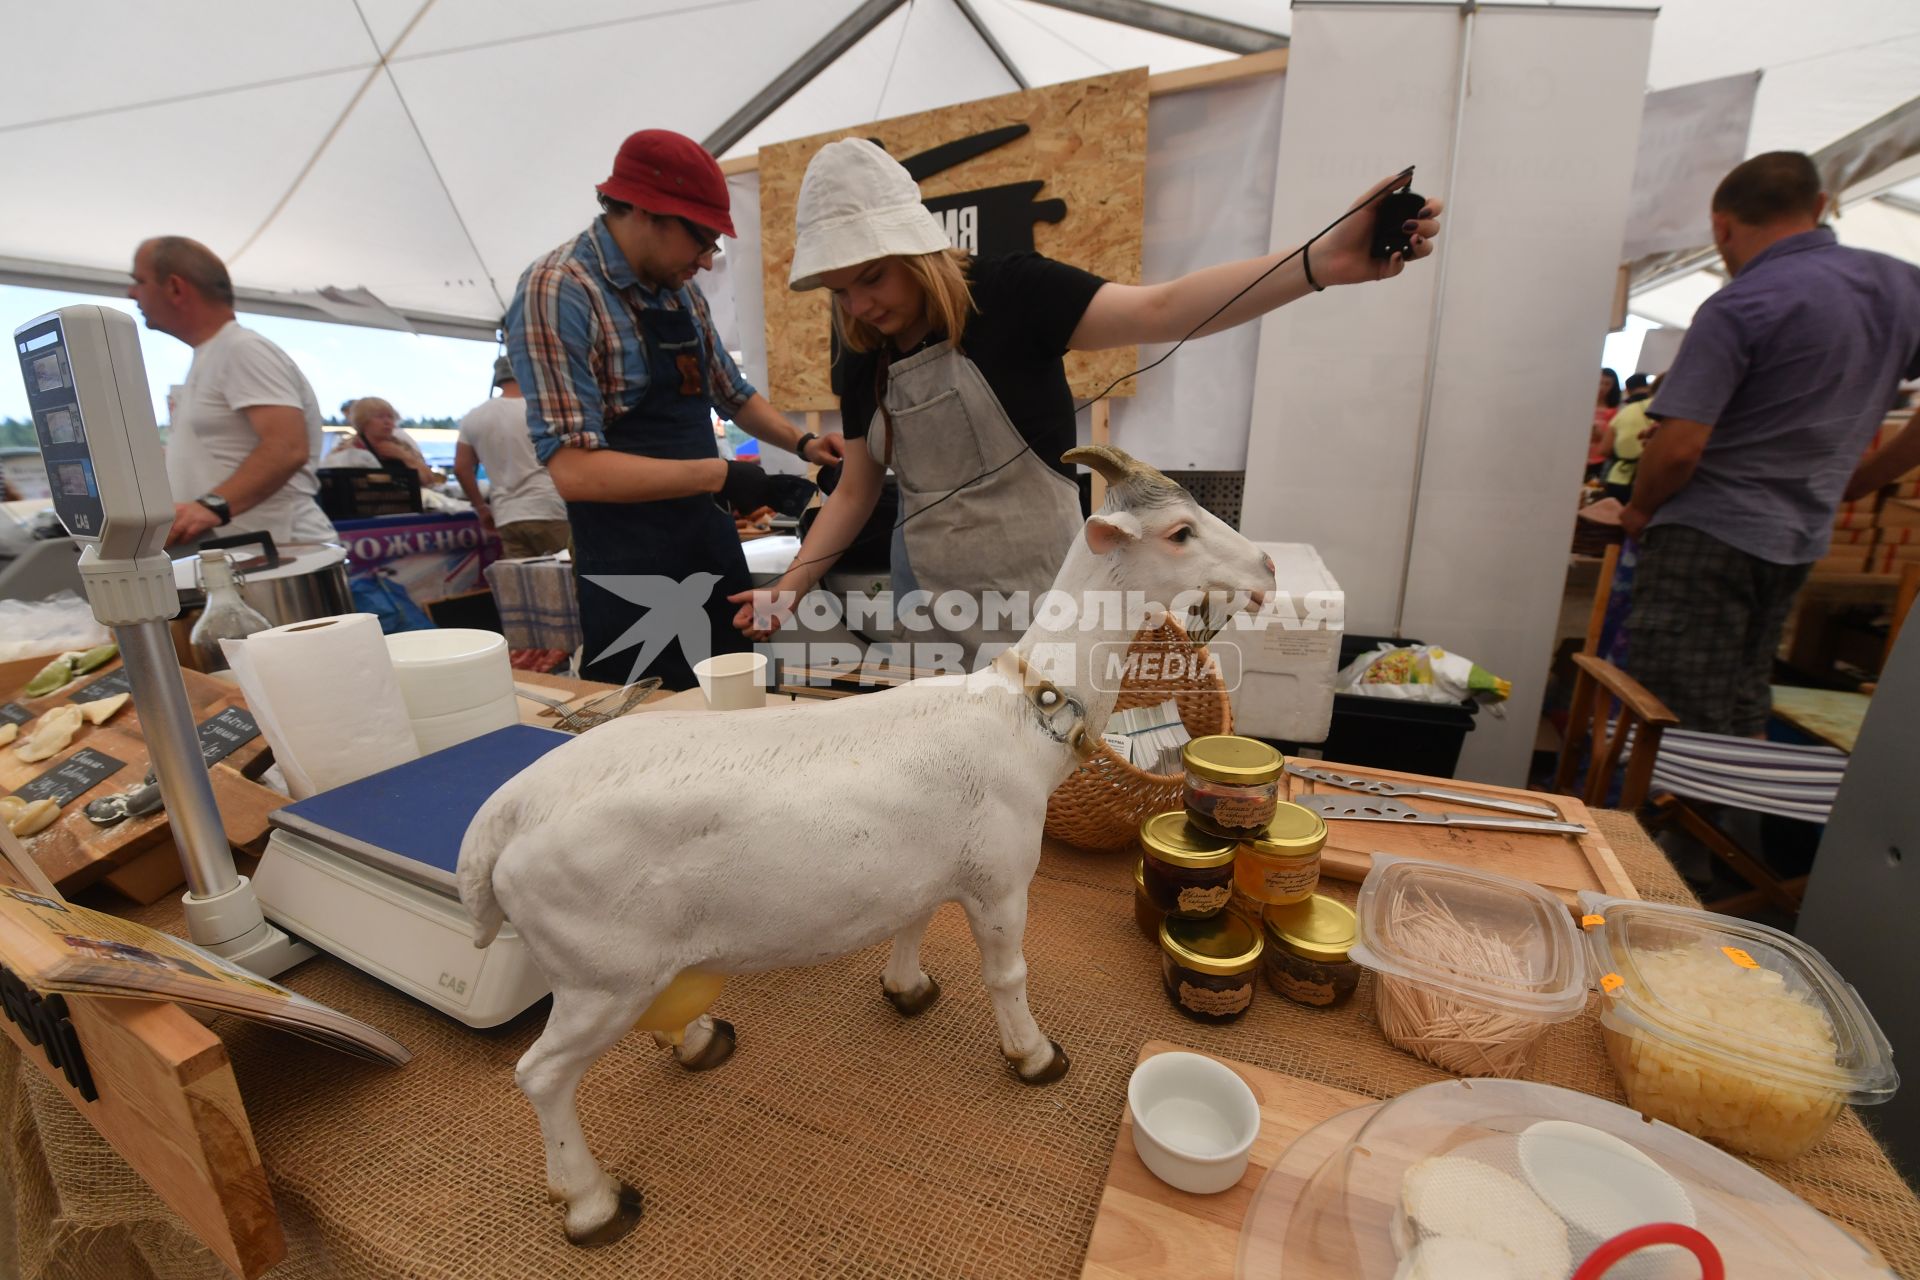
x,y
1728,1029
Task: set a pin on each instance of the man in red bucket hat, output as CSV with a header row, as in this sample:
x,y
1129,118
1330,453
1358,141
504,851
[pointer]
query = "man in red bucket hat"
x,y
622,371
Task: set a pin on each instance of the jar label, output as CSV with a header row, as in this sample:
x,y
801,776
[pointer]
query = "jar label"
x,y
1204,901
1304,992
1296,876
1244,814
1203,1000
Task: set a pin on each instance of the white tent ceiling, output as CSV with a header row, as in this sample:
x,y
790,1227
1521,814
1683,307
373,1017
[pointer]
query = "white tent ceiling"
x,y
426,150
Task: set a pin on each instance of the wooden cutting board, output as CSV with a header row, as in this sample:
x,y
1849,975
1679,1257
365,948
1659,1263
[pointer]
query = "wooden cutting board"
x,y
73,851
1146,1230
1560,863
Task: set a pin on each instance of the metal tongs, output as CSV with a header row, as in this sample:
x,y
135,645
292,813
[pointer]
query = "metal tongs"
x,y
1382,787
595,711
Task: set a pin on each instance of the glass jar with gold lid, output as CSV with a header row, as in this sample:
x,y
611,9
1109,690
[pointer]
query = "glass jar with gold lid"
x,y
1232,784
1186,871
1146,913
1306,956
1208,965
1281,865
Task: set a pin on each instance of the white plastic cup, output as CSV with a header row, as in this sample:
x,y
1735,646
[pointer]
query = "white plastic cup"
x,y
733,681
1194,1121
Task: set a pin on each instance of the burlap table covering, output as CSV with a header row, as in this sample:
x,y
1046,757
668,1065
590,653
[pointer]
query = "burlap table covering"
x,y
842,1140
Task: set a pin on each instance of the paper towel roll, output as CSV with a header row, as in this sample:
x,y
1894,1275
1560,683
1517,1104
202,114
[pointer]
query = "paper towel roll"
x,y
324,694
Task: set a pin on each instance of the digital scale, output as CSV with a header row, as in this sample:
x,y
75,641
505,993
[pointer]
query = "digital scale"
x,y
93,414
364,871
334,874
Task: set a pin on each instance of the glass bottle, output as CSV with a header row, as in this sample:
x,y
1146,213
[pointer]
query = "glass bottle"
x,y
225,617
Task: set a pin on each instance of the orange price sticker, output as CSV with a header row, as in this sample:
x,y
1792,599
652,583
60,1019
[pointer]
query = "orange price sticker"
x,y
1590,922
1612,982
1740,957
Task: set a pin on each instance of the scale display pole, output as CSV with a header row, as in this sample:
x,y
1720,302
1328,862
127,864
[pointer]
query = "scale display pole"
x,y
93,414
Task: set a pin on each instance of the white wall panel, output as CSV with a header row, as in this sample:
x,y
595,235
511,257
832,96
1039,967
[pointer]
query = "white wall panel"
x,y
1211,155
1539,192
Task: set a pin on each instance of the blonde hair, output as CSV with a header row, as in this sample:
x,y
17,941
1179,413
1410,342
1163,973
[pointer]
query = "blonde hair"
x,y
364,408
942,278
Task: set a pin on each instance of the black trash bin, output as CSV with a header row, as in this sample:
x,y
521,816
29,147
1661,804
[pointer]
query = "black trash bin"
x,y
1386,733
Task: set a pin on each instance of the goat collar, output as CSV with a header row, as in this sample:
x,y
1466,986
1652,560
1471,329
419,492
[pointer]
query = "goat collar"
x,y
1048,701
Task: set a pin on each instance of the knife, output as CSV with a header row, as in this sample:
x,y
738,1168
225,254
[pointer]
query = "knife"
x,y
1382,787
1365,810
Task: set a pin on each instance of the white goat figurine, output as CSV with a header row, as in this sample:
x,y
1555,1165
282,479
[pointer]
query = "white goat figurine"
x,y
660,843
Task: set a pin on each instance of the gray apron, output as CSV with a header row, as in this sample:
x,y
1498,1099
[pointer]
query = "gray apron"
x,y
940,427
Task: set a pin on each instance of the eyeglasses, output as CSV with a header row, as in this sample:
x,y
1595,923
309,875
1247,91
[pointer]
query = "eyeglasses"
x,y
700,235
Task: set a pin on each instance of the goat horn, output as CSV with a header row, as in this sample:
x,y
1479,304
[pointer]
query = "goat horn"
x,y
1116,466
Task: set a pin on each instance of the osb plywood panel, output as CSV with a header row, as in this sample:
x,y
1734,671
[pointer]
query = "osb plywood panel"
x,y
1087,145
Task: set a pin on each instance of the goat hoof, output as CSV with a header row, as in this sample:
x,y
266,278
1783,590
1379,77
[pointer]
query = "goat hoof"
x,y
719,1048
1054,1069
626,1216
912,1005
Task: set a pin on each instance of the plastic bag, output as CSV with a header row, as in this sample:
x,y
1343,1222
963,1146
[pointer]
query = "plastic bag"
x,y
379,594
61,622
1420,673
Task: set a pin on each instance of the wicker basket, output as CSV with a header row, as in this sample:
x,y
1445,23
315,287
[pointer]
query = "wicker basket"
x,y
1101,805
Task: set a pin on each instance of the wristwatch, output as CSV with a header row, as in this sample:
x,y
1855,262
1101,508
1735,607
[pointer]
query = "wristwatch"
x,y
216,504
800,446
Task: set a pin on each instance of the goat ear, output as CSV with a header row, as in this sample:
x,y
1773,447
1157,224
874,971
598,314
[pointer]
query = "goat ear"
x,y
1110,530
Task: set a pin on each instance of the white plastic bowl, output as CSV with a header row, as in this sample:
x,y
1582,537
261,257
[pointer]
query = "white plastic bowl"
x,y
1194,1121
1602,1186
437,733
451,669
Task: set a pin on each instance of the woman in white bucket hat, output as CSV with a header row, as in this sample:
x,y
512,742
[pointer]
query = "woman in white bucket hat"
x,y
953,375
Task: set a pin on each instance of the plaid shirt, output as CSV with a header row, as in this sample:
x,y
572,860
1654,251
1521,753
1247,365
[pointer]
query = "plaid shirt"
x,y
573,335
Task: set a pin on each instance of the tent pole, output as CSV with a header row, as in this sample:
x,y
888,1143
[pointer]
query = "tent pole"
x,y
848,32
1180,24
981,29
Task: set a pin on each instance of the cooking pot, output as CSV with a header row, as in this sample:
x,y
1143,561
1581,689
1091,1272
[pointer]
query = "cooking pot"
x,y
298,582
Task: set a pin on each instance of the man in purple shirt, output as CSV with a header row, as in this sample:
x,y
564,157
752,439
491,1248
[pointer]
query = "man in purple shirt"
x,y
1772,399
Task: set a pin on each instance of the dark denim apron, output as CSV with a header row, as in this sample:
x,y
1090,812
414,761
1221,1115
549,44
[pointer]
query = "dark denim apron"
x,y
671,538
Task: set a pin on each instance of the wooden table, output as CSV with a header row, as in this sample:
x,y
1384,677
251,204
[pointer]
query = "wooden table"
x,y
841,1139
1833,716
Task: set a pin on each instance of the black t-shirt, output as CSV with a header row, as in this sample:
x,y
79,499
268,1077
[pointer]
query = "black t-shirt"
x,y
1025,308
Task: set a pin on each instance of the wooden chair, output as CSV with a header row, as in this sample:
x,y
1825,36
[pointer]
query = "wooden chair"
x,y
1611,715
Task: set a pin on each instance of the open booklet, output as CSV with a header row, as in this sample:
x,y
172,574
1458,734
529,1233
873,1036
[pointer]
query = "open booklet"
x,y
53,945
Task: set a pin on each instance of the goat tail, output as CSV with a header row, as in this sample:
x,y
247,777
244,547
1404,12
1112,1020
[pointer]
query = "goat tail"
x,y
479,851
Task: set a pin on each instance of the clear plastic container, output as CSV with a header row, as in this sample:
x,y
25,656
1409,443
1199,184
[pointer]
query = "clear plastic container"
x,y
1530,1177
1729,1029
1473,967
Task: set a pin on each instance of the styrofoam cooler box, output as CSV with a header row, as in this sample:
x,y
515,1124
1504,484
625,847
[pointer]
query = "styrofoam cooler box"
x,y
1290,651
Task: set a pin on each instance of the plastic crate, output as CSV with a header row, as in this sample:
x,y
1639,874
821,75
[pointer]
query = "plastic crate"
x,y
1411,737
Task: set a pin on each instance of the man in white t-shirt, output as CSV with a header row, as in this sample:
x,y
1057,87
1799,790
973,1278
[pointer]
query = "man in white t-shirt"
x,y
521,503
246,427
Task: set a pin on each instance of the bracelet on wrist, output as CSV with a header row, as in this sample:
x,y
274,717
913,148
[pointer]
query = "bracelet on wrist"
x,y
1306,264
